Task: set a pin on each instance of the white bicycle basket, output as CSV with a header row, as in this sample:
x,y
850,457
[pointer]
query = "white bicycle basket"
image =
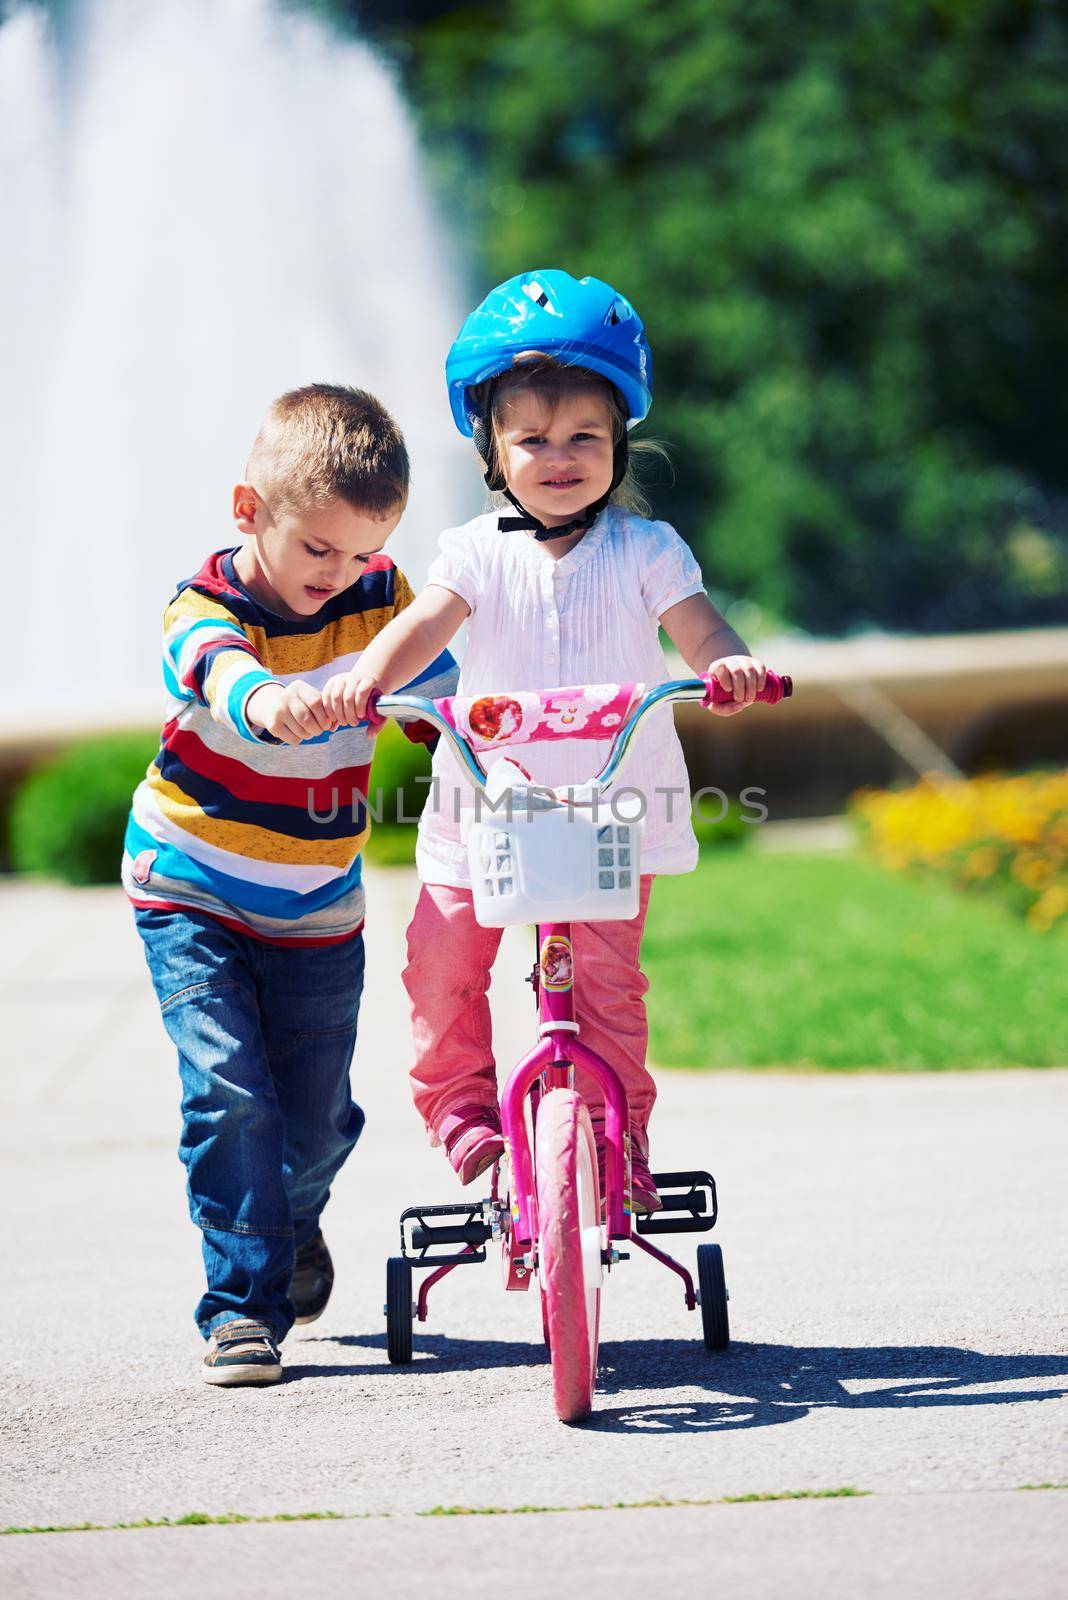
x,y
546,861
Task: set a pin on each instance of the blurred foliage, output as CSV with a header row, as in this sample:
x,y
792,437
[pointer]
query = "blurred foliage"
x,y
396,796
1005,834
846,229
391,845
395,793
718,821
69,815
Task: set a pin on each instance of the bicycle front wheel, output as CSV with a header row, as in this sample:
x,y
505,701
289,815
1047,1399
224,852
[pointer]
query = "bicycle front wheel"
x,y
569,1247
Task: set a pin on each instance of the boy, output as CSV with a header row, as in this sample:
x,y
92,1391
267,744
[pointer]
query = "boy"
x,y
242,857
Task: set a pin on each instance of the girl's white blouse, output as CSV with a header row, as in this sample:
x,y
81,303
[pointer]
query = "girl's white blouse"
x,y
590,617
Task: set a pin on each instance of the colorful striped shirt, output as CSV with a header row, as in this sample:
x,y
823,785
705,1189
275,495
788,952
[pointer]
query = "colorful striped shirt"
x,y
263,836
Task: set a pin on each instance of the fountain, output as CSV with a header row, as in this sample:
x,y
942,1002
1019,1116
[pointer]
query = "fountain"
x,y
206,202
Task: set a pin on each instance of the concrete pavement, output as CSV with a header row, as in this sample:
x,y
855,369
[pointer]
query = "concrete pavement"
x,y
894,1247
984,1546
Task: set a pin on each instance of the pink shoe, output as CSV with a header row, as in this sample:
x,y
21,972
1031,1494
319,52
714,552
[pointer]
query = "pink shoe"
x,y
472,1139
643,1195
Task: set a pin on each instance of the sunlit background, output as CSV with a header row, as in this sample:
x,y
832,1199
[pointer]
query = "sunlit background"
x,y
205,204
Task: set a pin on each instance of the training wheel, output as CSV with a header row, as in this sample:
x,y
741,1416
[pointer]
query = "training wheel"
x,y
713,1289
399,1310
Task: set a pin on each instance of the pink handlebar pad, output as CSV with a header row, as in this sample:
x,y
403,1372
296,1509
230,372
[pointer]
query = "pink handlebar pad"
x,y
588,711
591,711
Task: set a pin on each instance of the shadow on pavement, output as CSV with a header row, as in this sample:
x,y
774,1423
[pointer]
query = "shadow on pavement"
x,y
756,1385
434,1352
764,1384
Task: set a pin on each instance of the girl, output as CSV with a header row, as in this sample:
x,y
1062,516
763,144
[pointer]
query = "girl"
x,y
547,375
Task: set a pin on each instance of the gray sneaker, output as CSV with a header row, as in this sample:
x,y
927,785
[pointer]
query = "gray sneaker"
x,y
242,1351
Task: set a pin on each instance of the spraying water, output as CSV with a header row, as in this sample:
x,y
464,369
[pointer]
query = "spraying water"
x,y
206,202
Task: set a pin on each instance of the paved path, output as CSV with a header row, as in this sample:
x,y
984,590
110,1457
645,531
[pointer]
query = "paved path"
x,y
895,1250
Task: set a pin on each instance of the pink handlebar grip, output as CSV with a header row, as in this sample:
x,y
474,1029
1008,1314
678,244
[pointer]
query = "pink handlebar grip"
x,y
371,713
777,686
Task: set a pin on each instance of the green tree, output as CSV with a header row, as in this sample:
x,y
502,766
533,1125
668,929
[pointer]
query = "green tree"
x,y
845,227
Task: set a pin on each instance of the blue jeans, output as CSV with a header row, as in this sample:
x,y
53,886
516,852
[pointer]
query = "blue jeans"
x,y
265,1035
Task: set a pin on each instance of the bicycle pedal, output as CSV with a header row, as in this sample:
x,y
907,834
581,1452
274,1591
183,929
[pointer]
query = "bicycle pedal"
x,y
688,1204
426,1236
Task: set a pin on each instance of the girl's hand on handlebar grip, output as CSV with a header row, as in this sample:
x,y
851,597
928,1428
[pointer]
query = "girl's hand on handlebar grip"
x,y
346,696
739,680
375,719
776,686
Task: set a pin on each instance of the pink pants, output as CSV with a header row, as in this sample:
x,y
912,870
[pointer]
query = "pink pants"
x,y
447,978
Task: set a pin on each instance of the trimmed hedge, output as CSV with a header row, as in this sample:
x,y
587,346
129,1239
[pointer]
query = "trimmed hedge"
x,y
69,815
730,829
394,792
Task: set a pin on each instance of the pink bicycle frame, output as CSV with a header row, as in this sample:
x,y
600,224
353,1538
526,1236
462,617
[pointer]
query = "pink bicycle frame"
x,y
553,1060
551,1063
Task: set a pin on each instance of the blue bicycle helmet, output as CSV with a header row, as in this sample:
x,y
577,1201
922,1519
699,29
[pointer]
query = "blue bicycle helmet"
x,y
580,322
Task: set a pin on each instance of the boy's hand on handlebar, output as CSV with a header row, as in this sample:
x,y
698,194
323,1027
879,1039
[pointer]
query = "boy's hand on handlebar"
x,y
345,696
291,712
742,677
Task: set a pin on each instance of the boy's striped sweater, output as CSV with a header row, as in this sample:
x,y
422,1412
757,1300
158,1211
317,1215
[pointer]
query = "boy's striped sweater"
x,y
263,836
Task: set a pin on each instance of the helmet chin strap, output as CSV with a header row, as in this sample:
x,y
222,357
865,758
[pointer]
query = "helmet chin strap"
x,y
526,522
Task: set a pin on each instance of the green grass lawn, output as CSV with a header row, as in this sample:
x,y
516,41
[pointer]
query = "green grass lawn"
x,y
830,961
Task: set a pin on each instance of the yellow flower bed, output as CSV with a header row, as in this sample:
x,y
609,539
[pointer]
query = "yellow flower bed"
x,y
1006,833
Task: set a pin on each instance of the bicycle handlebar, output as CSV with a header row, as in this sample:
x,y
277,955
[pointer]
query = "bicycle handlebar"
x,y
707,689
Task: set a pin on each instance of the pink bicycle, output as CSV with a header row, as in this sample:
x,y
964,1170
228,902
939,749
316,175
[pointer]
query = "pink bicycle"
x,y
553,858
